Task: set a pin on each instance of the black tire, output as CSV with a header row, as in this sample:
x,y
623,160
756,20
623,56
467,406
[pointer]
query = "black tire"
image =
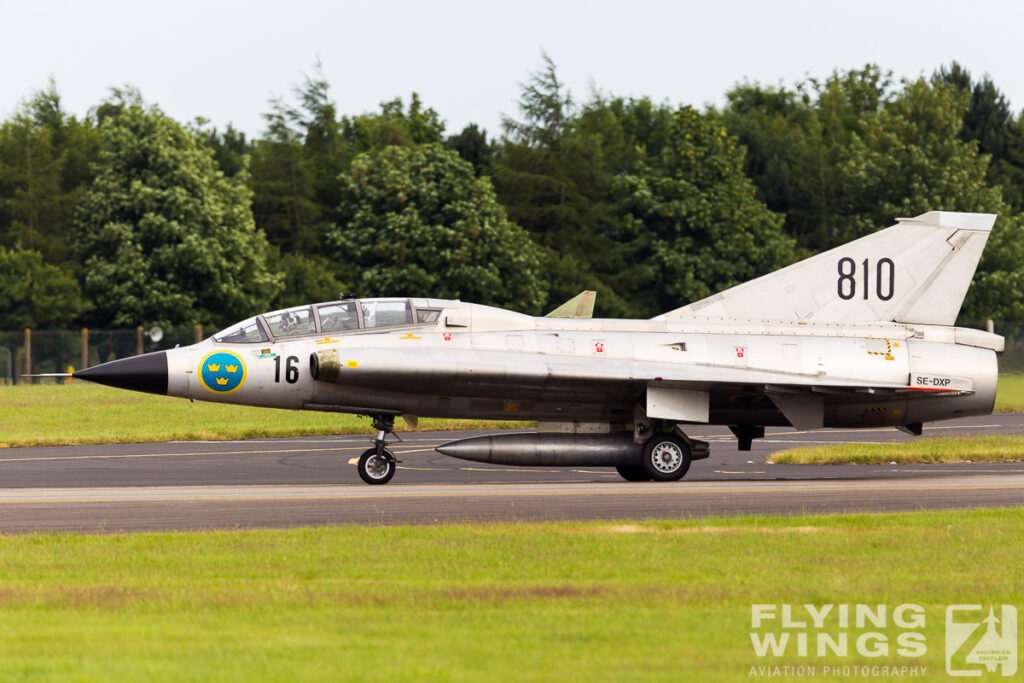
x,y
632,473
666,457
374,469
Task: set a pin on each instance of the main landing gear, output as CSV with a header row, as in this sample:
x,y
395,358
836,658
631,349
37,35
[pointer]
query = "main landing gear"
x,y
377,465
665,456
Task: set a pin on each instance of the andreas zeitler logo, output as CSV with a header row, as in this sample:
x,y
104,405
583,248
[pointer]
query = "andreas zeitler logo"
x,y
816,640
980,641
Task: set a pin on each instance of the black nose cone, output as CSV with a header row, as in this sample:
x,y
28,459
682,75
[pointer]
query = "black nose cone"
x,y
147,372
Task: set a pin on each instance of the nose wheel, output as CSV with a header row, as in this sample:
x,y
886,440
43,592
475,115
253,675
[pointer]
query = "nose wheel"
x,y
377,468
377,465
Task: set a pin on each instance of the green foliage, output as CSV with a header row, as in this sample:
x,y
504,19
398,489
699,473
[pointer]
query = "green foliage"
x,y
35,293
577,179
45,158
30,179
545,106
533,174
163,235
307,279
989,120
325,153
628,131
230,148
774,125
694,225
284,207
611,192
810,149
908,159
472,145
619,137
308,146
552,177
394,125
797,141
416,221
995,292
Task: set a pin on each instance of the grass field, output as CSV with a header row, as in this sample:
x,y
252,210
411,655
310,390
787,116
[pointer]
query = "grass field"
x,y
1010,395
996,448
81,413
597,601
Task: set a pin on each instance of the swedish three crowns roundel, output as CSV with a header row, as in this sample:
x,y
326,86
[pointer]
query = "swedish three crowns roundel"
x,y
222,372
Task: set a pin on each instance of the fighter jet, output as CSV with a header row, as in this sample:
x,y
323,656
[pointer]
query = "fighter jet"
x,y
863,335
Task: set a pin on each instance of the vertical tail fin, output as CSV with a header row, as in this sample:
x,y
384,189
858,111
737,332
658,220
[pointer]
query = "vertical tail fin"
x,y
580,306
916,271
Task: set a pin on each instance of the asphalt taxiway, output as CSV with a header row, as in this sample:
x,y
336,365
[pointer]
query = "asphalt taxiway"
x,y
313,481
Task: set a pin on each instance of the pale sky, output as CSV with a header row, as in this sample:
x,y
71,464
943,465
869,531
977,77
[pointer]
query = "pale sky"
x,y
223,60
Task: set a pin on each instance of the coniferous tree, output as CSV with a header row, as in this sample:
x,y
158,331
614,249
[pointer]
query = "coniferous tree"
x,y
45,163
552,182
989,120
230,148
472,145
531,173
284,204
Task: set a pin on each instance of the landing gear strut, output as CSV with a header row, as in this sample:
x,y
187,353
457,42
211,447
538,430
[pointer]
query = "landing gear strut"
x,y
745,435
377,465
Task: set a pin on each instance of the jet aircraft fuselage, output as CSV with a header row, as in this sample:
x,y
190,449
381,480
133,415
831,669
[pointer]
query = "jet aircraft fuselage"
x,y
861,336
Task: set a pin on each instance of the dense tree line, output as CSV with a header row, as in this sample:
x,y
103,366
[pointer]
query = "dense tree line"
x,y
125,216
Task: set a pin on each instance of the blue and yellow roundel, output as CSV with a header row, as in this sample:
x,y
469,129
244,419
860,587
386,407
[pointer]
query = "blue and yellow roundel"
x,y
222,372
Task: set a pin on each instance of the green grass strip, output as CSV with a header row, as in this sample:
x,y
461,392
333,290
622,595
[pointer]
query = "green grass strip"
x,y
1010,393
83,413
665,600
996,448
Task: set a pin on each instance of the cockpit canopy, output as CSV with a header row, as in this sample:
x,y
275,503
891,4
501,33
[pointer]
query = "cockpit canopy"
x,y
332,318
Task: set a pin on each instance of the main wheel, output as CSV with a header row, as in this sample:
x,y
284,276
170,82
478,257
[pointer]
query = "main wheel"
x,y
666,457
376,469
632,473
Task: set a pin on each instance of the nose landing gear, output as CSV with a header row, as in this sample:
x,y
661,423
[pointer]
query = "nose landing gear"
x,y
377,465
